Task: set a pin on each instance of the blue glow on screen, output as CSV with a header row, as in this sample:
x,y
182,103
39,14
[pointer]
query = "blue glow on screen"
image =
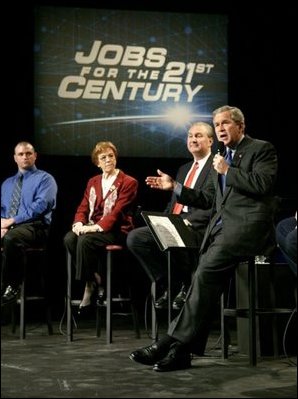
x,y
135,78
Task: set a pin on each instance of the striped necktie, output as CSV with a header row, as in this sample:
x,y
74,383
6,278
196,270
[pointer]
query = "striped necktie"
x,y
16,197
177,209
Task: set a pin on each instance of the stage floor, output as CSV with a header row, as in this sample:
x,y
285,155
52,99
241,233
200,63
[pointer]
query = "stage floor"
x,y
50,367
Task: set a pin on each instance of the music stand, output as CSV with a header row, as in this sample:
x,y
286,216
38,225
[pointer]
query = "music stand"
x,y
169,231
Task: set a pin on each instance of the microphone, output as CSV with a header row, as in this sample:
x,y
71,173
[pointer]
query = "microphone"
x,y
220,148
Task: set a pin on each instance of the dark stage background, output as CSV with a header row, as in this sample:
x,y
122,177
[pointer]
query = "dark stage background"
x,y
261,82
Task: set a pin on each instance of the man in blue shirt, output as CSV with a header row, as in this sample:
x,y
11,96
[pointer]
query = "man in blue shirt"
x,y
27,202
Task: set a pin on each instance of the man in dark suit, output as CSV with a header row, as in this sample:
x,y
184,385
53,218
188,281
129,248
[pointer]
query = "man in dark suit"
x,y
242,226
141,242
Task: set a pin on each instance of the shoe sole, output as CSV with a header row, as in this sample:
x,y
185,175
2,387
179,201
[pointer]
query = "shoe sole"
x,y
144,363
160,370
177,307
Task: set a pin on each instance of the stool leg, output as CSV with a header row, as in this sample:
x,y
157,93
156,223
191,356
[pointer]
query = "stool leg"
x,y
68,300
273,304
224,344
169,289
153,312
109,299
22,310
98,321
13,318
252,312
135,318
49,320
47,301
22,301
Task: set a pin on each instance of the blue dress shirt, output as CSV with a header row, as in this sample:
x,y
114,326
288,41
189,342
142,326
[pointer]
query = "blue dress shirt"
x,y
38,198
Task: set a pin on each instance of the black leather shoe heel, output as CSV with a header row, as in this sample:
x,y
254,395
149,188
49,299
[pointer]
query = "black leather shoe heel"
x,y
150,354
84,310
10,295
162,302
176,359
101,296
180,298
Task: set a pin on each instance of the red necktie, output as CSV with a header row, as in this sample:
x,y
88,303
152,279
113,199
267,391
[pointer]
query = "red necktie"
x,y
178,207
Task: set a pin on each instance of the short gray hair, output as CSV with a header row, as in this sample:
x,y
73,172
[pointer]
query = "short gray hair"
x,y
207,126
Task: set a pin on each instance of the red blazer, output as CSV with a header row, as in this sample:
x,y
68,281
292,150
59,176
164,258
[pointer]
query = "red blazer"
x,y
114,212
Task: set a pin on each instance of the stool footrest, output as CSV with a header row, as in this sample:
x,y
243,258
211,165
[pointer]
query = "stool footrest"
x,y
251,303
243,312
109,302
32,298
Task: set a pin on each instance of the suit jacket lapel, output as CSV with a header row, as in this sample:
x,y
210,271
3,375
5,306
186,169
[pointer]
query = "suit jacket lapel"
x,y
204,172
236,161
240,151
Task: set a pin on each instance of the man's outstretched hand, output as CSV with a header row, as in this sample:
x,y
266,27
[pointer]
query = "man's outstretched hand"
x,y
161,182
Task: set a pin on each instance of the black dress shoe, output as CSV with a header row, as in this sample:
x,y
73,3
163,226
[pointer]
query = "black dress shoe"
x,y
162,302
101,296
150,354
84,310
176,359
10,295
180,298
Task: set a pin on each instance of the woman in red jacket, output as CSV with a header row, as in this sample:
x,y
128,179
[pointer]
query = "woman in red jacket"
x,y
103,217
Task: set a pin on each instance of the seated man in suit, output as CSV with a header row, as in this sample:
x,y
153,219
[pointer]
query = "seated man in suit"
x,y
140,240
241,187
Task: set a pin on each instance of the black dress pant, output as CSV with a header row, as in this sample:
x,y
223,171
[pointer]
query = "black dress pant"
x,y
14,244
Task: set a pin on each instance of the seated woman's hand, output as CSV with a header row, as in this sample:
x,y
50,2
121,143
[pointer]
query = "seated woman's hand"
x,y
76,228
93,228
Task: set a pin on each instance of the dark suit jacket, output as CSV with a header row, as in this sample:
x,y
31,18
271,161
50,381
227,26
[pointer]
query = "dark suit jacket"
x,y
247,206
199,218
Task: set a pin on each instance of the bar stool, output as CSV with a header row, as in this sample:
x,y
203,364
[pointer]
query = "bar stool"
x,y
252,310
111,252
40,251
107,304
